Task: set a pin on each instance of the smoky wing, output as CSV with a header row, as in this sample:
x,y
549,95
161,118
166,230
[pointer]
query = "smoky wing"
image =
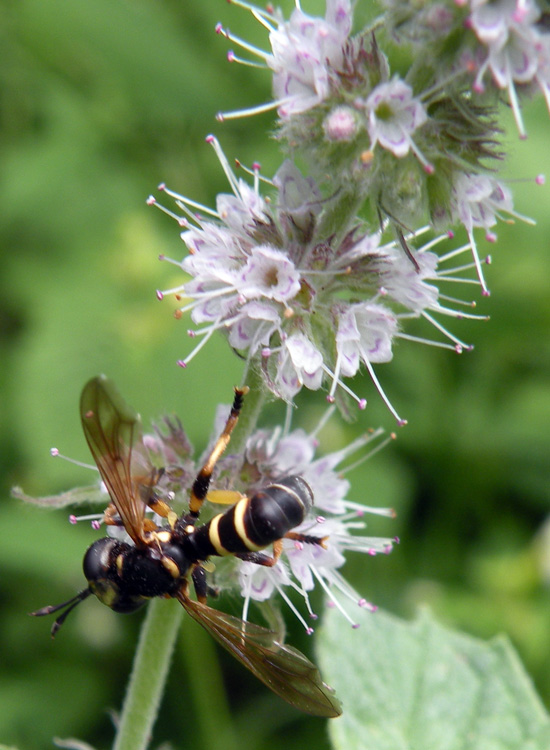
x,y
113,432
284,669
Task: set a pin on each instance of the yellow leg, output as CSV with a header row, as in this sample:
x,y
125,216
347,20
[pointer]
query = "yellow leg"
x,y
202,482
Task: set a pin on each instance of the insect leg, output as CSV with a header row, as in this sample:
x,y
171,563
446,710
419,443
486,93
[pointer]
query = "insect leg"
x,y
70,604
260,558
199,582
161,508
202,482
307,538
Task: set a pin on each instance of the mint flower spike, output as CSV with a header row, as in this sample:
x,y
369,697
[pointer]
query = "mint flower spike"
x,y
306,53
307,309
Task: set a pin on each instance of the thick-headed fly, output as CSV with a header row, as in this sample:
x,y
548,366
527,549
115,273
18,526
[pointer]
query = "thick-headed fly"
x,y
162,560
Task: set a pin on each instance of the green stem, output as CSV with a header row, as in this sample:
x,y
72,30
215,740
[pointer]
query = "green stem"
x,y
204,680
149,673
252,407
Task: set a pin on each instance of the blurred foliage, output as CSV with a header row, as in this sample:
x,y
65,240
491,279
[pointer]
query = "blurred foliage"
x,y
99,102
429,687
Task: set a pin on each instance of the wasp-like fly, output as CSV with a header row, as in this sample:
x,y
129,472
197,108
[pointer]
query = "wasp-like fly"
x,y
162,560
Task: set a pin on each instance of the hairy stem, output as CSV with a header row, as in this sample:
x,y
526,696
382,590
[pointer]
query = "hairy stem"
x,y
252,407
149,673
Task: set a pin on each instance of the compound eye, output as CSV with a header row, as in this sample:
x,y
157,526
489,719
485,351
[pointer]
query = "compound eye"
x,y
100,569
100,558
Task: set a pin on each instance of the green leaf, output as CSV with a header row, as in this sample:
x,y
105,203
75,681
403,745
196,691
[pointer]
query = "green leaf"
x,y
420,686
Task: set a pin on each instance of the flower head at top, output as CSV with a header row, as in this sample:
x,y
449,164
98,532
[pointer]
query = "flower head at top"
x,y
304,306
327,84
400,141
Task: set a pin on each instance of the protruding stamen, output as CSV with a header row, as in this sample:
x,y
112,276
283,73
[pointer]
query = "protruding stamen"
x,y
232,57
458,301
364,604
484,290
426,165
56,454
367,456
231,178
186,204
453,253
184,362
427,342
516,109
331,596
265,17
219,29
254,172
461,344
336,376
308,628
344,387
324,419
95,518
401,422
260,109
288,418
359,507
454,314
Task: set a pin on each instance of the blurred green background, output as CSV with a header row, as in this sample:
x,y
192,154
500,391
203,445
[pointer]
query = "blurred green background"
x,y
99,102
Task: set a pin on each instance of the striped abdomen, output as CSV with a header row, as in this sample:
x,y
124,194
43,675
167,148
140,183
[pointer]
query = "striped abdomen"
x,y
255,522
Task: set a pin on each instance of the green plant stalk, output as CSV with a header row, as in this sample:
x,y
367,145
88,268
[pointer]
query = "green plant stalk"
x,y
149,674
161,625
197,656
253,403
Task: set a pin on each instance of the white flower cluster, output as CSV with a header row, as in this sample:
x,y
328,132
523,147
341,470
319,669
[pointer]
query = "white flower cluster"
x,y
307,309
333,90
516,48
310,58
